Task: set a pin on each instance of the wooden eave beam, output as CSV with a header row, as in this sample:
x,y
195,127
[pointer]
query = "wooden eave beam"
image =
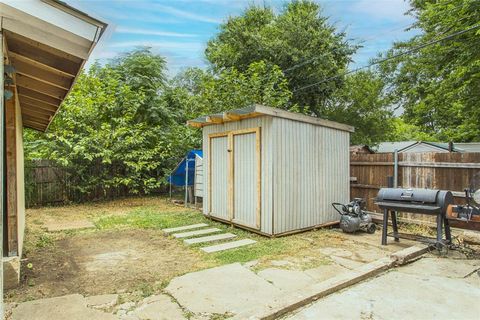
x,y
35,119
35,107
39,86
194,124
36,53
42,48
41,74
36,112
228,116
31,62
33,125
25,100
24,92
214,119
40,121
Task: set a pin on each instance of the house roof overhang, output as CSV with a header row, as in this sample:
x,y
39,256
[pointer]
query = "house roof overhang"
x,y
47,43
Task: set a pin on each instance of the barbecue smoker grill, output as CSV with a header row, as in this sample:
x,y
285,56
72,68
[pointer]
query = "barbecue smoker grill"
x,y
421,201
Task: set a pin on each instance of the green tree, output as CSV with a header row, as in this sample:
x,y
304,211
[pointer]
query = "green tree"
x,y
299,40
402,131
231,89
114,130
362,103
124,125
438,86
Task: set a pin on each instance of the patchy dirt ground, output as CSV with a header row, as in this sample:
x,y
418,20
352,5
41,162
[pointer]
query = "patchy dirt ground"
x,y
41,216
105,262
124,250
95,260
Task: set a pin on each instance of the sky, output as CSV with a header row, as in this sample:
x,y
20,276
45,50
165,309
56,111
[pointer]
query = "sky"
x,y
180,29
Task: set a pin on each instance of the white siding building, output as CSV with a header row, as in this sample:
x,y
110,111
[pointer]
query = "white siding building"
x,y
272,171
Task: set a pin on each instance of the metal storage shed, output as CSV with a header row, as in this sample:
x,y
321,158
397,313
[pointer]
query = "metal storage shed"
x,y
272,171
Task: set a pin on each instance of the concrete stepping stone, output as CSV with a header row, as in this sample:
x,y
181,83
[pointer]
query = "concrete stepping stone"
x,y
196,233
216,237
228,245
192,226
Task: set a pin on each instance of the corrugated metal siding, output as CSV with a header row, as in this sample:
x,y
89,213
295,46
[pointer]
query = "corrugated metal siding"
x,y
245,179
311,170
264,123
219,178
199,187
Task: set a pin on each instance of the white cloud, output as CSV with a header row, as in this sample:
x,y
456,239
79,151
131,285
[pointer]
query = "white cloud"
x,y
177,12
186,46
152,32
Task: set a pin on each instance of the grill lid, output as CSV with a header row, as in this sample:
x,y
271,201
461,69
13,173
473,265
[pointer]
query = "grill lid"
x,y
408,195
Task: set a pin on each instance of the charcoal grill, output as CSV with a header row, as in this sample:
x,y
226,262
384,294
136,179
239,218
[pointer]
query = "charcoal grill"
x,y
420,201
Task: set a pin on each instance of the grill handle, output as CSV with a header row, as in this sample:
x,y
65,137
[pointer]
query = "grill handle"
x,y
408,194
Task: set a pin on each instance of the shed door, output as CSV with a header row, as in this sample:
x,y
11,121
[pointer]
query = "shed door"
x,y
219,177
235,173
245,179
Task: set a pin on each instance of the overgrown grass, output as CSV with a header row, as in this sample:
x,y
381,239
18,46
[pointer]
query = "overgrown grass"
x,y
149,218
159,214
265,248
44,240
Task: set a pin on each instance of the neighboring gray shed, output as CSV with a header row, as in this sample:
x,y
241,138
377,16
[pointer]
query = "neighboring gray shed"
x,y
468,146
272,171
415,147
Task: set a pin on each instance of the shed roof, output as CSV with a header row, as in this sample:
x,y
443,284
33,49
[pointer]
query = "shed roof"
x,y
258,111
47,43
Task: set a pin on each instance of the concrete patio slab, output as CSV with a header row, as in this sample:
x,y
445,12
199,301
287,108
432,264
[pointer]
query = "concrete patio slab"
x,y
437,266
401,295
325,271
228,245
192,226
288,280
216,237
71,307
195,233
102,301
346,263
229,288
158,307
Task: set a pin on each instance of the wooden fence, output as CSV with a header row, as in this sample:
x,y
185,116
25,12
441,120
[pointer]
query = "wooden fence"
x,y
47,184
447,171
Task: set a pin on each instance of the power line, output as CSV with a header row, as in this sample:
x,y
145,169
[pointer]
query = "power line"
x,y
390,58
368,39
371,38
